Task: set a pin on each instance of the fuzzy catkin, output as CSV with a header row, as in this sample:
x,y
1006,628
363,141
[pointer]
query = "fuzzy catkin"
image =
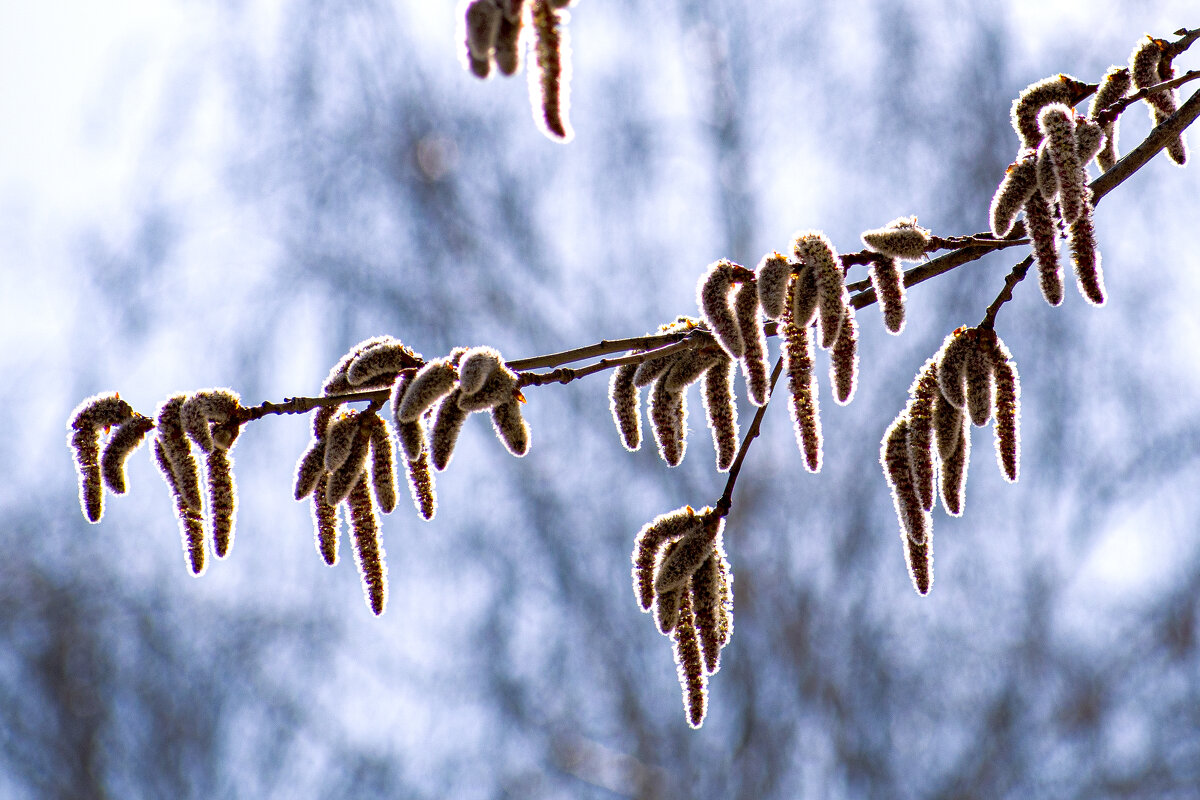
x,y
550,74
952,362
772,277
340,439
918,557
500,387
804,296
422,486
948,425
668,418
721,412
1148,65
1039,224
511,428
411,435
337,382
343,479
222,500
203,408
924,394
1019,184
383,466
368,549
482,25
1056,89
754,341
1008,420
310,469
706,605
888,281
447,425
178,452
954,470
802,385
676,568
191,524
843,361
893,457
978,371
1113,87
1089,141
432,382
712,295
508,42
814,249
651,541
690,663
624,401
1057,123
476,367
1086,258
688,366
666,610
325,524
900,238
381,363
125,439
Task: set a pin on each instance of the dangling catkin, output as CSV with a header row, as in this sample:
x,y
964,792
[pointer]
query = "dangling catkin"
x,y
1019,184
191,524
432,382
814,249
511,428
411,435
340,439
888,281
125,439
169,434
1057,123
978,371
900,238
754,352
1086,258
918,557
843,361
222,500
447,425
802,384
203,408
668,418
1008,420
772,277
952,362
343,479
1039,224
550,74
893,457
650,542
948,425
1057,89
954,471
804,297
1113,87
721,411
690,663
676,568
421,486
712,295
624,401
368,549
924,394
383,468
310,469
325,524
500,387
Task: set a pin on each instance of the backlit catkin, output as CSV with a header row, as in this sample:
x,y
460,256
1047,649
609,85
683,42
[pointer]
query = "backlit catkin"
x,y
712,295
368,549
798,355
624,401
1113,87
125,439
721,411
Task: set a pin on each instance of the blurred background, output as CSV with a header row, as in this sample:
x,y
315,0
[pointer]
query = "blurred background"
x,y
234,193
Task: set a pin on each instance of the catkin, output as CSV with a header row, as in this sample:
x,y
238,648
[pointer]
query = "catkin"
x,y
482,25
888,281
1019,184
191,524
222,500
550,74
203,408
900,238
1147,68
802,385
668,418
500,387
447,425
652,368
94,413
978,371
125,439
893,457
954,470
383,468
476,367
511,428
666,609
343,479
952,362
340,439
805,295
687,367
843,361
706,605
814,249
1086,258
692,677
310,469
676,568
1047,179
1057,123
772,277
368,549
410,434
754,354
650,542
178,452
508,40
325,524
924,394
948,425
1039,224
1057,89
1113,87
624,401
381,363
918,557
1008,420
1089,141
712,295
432,382
337,382
721,412
421,486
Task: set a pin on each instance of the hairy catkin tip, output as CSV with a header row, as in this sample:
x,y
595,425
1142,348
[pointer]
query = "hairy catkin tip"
x,y
1089,140
650,543
754,341
668,418
1040,225
310,469
918,556
482,25
1056,89
624,401
954,470
843,361
721,412
325,524
900,238
1114,86
125,439
897,470
798,353
339,439
978,371
476,367
924,394
89,417
690,663
1019,184
343,479
191,524
511,428
431,383
706,605
888,281
368,549
804,296
508,44
948,426
814,249
676,567
952,362
178,452
202,409
1085,257
378,366
666,611
1057,123
500,387
447,425
712,295
550,73
421,486
772,277
1008,420
222,500
383,466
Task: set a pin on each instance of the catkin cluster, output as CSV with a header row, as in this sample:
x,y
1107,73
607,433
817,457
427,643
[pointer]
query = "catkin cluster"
x,y
492,34
97,415
681,575
1150,63
350,459
928,447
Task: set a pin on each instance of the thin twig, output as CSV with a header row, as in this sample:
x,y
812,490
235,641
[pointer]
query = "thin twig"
x,y
1014,277
726,501
1116,109
601,348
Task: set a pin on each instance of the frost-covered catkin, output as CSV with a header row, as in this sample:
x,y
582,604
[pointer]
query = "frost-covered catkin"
x,y
814,249
651,541
1056,89
447,425
368,549
1008,420
843,361
772,277
754,341
1057,123
222,500
476,367
1085,257
421,486
924,394
511,428
893,457
625,403
125,439
431,383
205,407
1114,86
1039,224
1019,184
668,418
798,355
888,281
900,238
191,524
178,453
721,412
712,295
325,524
383,466
690,663
676,568
550,73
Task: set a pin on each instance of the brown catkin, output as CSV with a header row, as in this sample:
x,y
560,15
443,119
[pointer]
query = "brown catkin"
x,y
550,82
652,368
432,382
222,500
754,354
690,663
772,277
1039,224
85,443
368,549
952,363
508,44
511,428
325,524
125,439
1047,179
688,367
924,394
624,401
340,438
651,541
888,281
1008,420
381,364
676,568
666,609
191,524
476,367
725,609
712,295
1019,184
1034,97
706,604
843,361
178,452
447,425
668,418
1086,258
978,371
500,387
954,471
893,457
802,384
422,487
814,249
1150,64
343,479
918,556
1114,86
337,382
900,238
383,466
948,426
804,297
1057,123
310,469
482,24
203,408
411,435
1089,141
721,412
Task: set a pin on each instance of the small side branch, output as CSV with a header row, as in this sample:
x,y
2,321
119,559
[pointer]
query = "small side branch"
x,y
1014,277
726,501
